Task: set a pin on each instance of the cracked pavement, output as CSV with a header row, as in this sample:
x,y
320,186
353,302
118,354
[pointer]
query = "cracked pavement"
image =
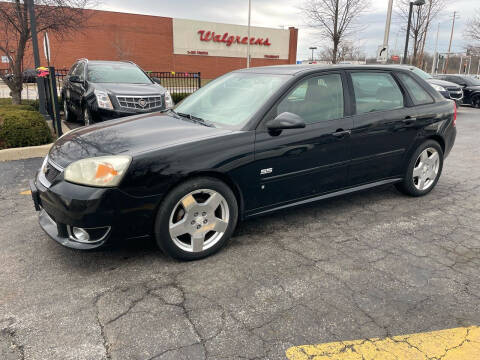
x,y
374,264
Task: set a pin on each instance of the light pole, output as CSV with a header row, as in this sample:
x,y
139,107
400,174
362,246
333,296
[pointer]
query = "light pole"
x,y
312,48
410,10
387,25
450,44
248,43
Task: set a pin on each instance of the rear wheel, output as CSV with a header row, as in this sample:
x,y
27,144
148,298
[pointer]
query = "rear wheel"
x,y
196,219
424,170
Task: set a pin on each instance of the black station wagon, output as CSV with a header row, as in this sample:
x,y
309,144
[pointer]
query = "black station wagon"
x,y
250,142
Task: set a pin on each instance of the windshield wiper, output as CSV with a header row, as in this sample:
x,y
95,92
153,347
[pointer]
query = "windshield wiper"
x,y
194,118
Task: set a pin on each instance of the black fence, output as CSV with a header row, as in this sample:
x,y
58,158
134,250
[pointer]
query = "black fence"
x,y
175,82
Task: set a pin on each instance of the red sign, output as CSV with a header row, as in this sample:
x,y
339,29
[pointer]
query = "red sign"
x,y
231,39
395,57
271,56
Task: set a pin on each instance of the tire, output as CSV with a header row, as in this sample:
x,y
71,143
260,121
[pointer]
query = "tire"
x,y
86,116
423,165
476,101
69,116
187,211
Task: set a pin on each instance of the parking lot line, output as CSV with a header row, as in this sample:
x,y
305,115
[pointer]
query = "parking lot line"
x,y
451,344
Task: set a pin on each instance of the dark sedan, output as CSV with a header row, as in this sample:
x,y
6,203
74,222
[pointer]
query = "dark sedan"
x,y
470,86
249,143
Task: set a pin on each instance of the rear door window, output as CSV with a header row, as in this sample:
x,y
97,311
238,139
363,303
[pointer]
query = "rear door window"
x,y
79,70
376,91
418,94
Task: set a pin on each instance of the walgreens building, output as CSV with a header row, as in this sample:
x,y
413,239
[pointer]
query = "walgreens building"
x,y
166,44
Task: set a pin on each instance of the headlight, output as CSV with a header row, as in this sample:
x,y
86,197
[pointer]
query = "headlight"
x,y
103,171
168,100
438,87
103,100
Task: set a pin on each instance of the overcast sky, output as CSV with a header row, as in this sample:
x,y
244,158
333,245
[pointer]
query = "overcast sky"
x,y
285,13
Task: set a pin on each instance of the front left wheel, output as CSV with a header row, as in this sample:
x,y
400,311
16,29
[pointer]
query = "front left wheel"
x,y
196,219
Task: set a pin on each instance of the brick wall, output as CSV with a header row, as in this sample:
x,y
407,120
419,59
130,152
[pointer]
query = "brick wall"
x,y
146,40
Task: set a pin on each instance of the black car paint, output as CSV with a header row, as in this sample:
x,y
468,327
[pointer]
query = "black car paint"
x,y
469,90
452,90
307,164
80,94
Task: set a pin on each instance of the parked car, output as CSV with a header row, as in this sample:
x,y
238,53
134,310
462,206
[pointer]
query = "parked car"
x,y
95,91
470,85
448,89
28,76
249,143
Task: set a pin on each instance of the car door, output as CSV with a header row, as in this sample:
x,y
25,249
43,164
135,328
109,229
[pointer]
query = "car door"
x,y
381,126
77,89
301,163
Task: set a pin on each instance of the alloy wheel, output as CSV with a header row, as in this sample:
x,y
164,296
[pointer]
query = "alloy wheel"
x,y
426,169
199,220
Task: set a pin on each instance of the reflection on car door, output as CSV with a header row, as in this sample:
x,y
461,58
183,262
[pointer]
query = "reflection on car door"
x,y
77,89
380,127
300,163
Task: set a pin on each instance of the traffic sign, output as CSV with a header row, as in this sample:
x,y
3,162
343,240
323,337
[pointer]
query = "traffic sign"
x,y
382,53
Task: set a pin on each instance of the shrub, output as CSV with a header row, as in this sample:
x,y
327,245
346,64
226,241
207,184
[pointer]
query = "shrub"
x,y
20,127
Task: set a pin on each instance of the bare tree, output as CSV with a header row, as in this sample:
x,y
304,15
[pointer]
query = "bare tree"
x,y
336,20
422,17
472,31
59,17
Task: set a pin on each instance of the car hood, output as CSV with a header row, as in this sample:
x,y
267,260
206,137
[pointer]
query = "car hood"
x,y
442,83
130,89
131,135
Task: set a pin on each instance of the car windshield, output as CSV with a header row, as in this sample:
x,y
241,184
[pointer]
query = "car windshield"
x,y
116,73
231,100
421,73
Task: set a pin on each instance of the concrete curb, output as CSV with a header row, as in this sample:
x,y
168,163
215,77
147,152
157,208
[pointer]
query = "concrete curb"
x,y
24,152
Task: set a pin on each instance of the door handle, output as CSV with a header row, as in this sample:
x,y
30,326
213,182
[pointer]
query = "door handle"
x,y
340,133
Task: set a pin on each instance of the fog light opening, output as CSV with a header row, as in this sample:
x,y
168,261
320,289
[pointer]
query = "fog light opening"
x,y
80,234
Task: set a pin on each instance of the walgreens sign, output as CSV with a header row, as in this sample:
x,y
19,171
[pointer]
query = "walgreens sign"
x,y
231,39
201,38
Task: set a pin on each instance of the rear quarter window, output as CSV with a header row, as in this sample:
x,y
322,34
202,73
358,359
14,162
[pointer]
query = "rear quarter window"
x,y
418,94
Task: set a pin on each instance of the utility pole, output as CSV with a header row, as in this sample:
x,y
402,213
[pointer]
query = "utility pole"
x,y
248,44
36,56
387,25
450,45
435,54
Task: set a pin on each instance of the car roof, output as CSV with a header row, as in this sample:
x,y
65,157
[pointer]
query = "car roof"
x,y
107,62
302,69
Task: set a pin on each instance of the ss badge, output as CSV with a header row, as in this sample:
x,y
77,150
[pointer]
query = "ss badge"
x,y
266,171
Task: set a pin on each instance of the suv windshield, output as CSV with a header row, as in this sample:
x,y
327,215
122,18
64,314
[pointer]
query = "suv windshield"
x,y
421,73
116,73
232,99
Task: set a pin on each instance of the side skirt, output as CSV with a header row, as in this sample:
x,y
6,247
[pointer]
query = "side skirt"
x,y
325,196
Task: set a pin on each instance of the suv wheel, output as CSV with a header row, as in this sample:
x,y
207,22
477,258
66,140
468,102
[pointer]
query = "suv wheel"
x,y
87,117
68,114
476,101
196,219
424,170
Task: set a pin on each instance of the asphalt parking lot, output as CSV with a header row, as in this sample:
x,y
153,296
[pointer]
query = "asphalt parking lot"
x,y
373,264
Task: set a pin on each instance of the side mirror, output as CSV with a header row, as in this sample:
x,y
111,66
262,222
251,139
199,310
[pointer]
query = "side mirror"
x,y
75,79
157,80
285,121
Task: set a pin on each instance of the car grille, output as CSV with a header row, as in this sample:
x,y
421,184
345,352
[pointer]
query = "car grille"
x,y
51,172
140,102
455,92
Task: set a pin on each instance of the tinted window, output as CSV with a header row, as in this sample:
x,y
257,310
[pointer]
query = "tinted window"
x,y
71,69
376,92
417,93
315,99
79,70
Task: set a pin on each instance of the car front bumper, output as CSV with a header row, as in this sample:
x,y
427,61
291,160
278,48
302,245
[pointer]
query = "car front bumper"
x,y
104,213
